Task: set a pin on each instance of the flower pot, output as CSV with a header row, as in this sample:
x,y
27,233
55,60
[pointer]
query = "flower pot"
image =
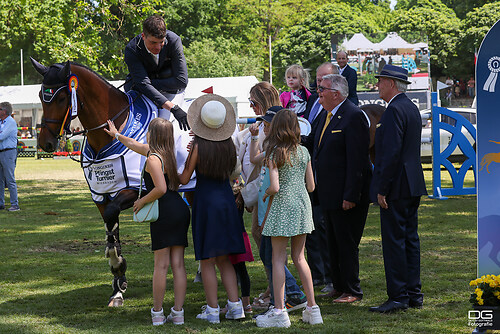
x,y
484,318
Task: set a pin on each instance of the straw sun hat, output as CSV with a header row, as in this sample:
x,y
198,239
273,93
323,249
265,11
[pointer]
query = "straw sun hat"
x,y
212,117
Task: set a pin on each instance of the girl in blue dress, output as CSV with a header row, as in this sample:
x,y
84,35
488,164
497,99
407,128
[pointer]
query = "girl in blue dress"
x,y
217,231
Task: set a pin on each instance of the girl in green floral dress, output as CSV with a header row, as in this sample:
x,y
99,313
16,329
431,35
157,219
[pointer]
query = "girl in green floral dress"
x,y
289,214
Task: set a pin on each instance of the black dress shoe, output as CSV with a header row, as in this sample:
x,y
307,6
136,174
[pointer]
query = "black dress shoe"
x,y
389,306
416,303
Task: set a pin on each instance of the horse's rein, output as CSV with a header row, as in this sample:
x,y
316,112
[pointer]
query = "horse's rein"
x,y
119,113
85,131
115,116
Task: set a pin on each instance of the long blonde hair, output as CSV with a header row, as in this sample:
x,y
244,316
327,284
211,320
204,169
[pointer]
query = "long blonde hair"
x,y
161,141
265,95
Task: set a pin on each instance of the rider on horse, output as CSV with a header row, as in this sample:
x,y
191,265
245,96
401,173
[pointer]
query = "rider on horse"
x,y
157,67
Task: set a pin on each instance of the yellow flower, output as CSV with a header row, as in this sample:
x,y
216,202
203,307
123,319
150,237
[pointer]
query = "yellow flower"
x,y
496,293
480,301
479,293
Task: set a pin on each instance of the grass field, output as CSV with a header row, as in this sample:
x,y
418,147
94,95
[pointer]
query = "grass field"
x,y
54,278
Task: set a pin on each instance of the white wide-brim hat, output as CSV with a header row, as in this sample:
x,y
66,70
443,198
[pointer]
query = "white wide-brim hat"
x,y
212,117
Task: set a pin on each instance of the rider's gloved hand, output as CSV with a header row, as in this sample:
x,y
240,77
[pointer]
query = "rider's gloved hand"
x,y
181,116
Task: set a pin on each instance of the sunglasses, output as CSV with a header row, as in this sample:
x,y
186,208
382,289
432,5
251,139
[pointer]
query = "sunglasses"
x,y
321,89
252,103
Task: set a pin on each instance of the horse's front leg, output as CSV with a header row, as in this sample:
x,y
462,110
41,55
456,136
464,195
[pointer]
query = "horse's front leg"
x,y
110,213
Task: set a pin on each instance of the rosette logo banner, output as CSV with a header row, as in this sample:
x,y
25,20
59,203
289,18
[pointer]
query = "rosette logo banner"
x,y
494,67
488,154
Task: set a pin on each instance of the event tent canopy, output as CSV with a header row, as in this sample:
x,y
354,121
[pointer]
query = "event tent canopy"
x,y
357,42
393,41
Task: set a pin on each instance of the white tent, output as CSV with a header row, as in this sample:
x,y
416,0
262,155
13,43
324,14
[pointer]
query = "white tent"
x,y
235,89
420,46
358,42
393,41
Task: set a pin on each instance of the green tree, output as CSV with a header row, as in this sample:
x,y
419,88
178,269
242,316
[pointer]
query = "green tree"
x,y
41,29
308,42
439,23
103,29
463,7
220,57
255,21
473,29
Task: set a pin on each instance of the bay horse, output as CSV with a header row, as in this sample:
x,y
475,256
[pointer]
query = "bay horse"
x,y
95,101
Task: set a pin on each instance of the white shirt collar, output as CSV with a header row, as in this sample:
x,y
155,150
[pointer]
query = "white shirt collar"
x,y
156,57
334,111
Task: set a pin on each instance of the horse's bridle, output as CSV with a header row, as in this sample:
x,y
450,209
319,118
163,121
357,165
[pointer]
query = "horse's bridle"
x,y
50,92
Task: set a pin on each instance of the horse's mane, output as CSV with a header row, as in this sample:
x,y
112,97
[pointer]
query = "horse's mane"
x,y
97,74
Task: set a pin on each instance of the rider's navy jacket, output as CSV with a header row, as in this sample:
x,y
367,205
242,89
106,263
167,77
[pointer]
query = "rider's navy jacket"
x,y
169,76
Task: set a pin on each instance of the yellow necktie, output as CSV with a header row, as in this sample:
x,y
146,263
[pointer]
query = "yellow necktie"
x,y
328,118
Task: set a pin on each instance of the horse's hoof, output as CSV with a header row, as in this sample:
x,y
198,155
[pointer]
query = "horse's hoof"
x,y
115,302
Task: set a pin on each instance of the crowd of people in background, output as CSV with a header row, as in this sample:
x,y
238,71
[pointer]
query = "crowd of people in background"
x,y
460,88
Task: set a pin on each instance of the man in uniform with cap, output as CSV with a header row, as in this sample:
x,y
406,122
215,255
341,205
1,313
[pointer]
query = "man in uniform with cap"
x,y
397,184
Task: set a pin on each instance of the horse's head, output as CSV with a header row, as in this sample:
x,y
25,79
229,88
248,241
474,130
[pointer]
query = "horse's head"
x,y
55,97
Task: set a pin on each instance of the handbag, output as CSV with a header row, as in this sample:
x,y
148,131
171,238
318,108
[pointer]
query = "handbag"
x,y
149,212
250,192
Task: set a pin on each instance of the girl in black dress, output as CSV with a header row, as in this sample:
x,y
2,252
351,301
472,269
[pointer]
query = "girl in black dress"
x,y
169,232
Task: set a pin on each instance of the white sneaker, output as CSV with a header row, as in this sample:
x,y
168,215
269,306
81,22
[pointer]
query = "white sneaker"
x,y
312,316
263,315
274,319
209,314
176,317
235,310
158,318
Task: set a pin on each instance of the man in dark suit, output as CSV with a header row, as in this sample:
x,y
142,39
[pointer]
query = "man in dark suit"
x,y
316,242
350,74
397,185
157,66
342,173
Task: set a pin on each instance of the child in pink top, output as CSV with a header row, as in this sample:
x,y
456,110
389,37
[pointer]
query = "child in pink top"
x,y
297,79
